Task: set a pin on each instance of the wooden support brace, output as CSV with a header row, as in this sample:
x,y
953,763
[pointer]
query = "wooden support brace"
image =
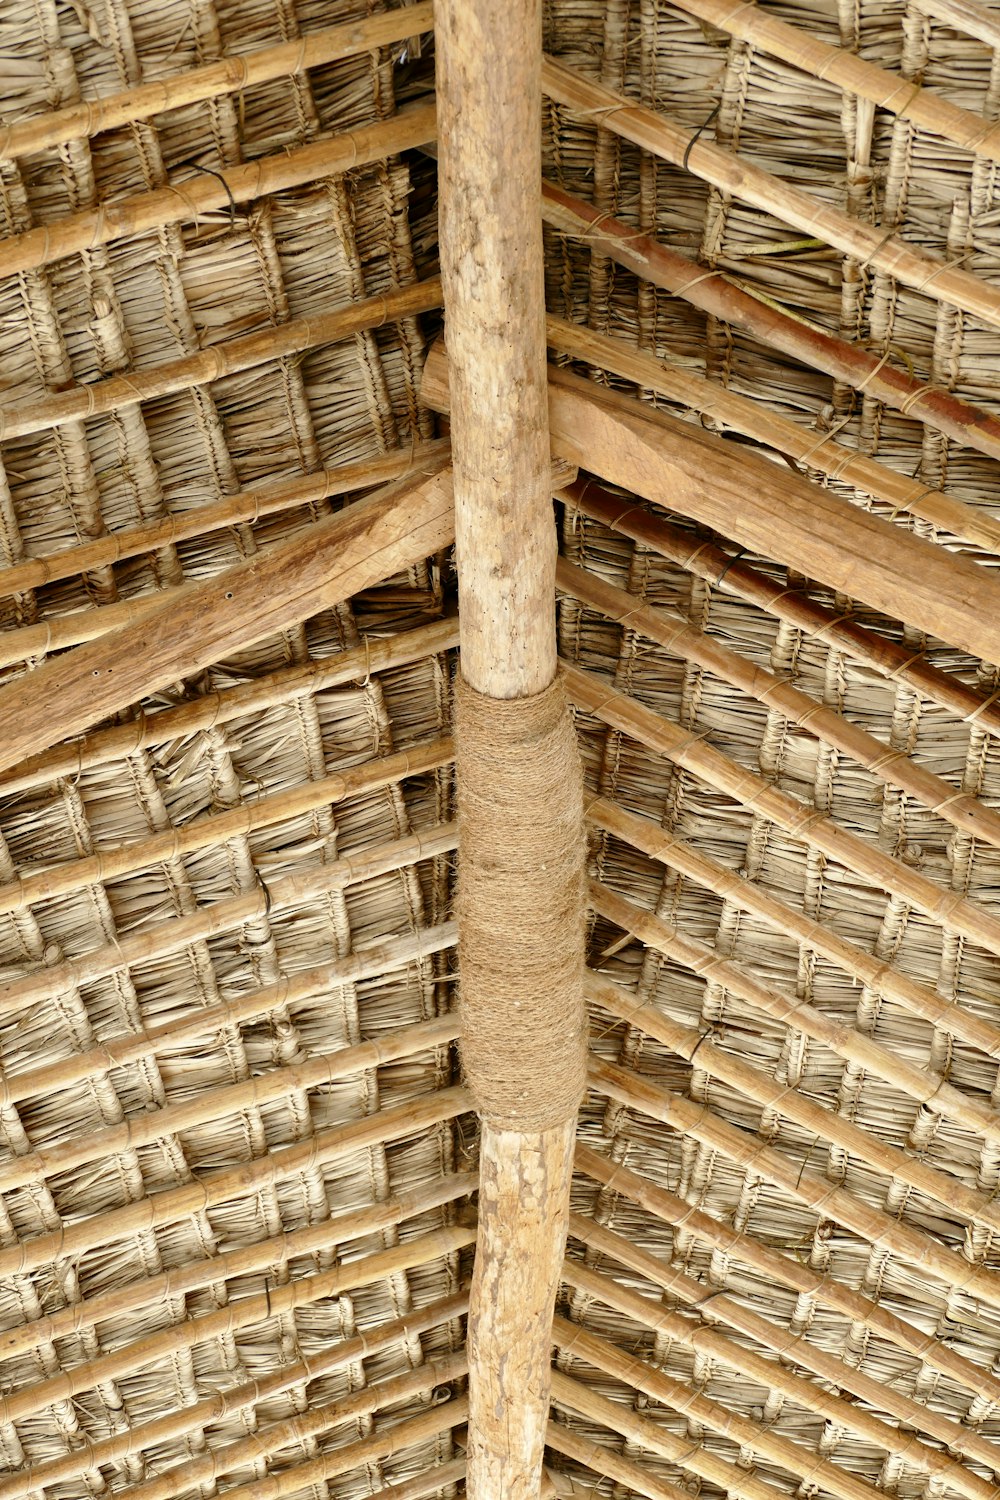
x,y
764,508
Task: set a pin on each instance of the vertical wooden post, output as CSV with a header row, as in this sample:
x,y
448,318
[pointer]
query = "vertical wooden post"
x,y
489,144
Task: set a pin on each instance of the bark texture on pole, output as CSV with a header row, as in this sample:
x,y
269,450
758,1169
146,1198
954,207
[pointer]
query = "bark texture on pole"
x,y
489,132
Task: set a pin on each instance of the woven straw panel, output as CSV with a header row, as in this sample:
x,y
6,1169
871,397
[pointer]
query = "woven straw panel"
x,y
215,1240
747,1156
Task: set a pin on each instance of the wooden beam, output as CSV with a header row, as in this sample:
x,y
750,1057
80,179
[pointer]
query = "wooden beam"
x,y
489,130
177,636
765,508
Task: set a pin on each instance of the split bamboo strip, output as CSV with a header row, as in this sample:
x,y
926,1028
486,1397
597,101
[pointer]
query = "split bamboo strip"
x,y
753,419
261,1445
270,1255
216,1103
828,1126
248,505
488,61
870,244
764,507
953,912
792,1457
384,1444
919,999
964,15
883,1231
231,75
221,706
368,962
773,1375
609,1464
788,1271
213,828
116,392
689,1456
212,1409
728,572
899,96
179,634
163,938
244,1312
669,629
880,1395
207,193
228,1183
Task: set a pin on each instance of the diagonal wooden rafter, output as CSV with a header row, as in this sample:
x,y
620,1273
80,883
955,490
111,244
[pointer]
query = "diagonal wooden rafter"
x,y
763,507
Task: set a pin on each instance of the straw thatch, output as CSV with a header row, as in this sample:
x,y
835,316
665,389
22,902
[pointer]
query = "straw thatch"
x,y
237,1166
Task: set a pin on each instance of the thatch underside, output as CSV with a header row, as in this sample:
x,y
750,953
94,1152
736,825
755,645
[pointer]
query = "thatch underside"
x,y
237,1190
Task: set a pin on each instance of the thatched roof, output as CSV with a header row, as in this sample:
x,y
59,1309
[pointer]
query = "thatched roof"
x,y
237,1160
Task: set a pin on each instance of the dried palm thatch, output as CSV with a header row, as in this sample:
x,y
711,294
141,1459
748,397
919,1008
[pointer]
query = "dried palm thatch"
x,y
236,1175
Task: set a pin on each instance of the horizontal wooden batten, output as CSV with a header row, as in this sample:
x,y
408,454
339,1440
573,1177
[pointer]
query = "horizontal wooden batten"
x,y
765,508
669,629
186,631
209,192
215,80
786,1270
285,686
246,506
279,341
872,245
142,1436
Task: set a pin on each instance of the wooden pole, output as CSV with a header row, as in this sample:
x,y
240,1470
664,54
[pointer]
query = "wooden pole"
x,y
489,129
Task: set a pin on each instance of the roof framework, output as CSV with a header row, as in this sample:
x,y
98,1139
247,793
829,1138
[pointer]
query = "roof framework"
x,y
736,306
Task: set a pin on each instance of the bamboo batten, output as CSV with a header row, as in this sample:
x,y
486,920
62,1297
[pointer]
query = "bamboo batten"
x,y
230,76
215,363
222,706
809,824
670,630
872,246
645,1312
214,1409
249,505
899,96
213,828
175,1204
916,1248
730,572
208,193
762,507
787,1270
823,1123
964,15
841,1376
361,546
159,941
882,977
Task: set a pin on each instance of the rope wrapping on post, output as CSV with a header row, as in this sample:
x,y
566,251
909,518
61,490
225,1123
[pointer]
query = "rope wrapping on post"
x,y
521,907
